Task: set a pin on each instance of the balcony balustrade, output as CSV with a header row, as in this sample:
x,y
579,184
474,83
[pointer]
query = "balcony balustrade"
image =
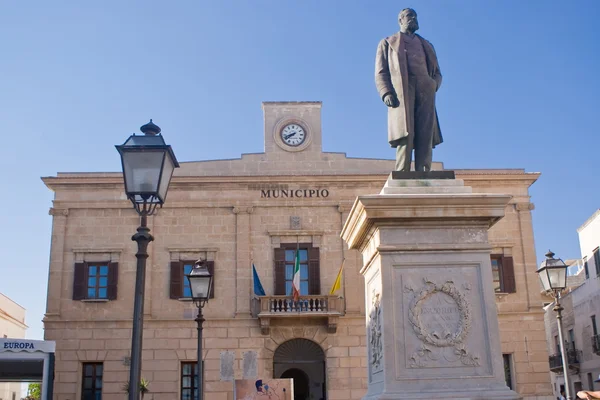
x,y
320,306
573,356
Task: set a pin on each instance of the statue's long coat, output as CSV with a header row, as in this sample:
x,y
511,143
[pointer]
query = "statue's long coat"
x,y
391,75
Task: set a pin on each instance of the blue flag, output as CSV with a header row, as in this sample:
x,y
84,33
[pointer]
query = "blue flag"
x,y
258,289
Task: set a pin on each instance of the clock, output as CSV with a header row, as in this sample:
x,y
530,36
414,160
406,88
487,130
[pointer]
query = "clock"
x,y
293,134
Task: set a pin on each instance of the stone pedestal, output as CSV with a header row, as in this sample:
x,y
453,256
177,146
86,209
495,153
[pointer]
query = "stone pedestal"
x,y
432,325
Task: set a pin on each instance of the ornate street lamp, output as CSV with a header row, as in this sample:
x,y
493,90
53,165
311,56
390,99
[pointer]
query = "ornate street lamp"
x,y
148,164
200,285
553,275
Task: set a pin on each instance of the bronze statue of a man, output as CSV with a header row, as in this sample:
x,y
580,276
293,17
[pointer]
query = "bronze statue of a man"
x,y
407,75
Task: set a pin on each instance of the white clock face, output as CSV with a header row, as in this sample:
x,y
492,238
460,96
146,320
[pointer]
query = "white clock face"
x,y
293,135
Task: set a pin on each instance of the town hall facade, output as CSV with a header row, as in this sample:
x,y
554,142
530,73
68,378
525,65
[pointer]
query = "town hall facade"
x,y
257,210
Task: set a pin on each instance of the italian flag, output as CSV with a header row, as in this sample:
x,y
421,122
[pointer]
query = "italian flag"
x,y
296,277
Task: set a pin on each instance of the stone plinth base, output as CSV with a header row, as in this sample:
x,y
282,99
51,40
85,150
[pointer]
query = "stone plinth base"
x,y
432,326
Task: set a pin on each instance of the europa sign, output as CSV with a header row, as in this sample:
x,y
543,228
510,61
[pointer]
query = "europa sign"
x,y
19,345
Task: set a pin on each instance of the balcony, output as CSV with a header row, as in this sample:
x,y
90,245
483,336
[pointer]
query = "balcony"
x,y
574,357
596,344
327,307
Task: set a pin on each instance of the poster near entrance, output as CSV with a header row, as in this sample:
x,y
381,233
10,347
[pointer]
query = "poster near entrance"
x,y
263,389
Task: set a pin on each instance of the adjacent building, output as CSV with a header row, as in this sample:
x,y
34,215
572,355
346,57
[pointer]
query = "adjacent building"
x,y
581,317
257,210
12,326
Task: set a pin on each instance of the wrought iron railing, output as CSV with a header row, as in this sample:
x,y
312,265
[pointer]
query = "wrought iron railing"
x,y
573,356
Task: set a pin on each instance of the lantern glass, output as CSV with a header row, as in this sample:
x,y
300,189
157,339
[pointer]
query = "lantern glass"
x,y
545,280
557,277
148,165
142,171
200,282
165,177
553,273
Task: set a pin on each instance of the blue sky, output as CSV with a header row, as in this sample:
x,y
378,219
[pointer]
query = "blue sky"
x,y
520,90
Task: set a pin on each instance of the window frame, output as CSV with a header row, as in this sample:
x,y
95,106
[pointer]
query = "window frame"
x,y
313,263
193,376
292,263
509,375
178,280
94,378
506,273
97,287
596,255
81,279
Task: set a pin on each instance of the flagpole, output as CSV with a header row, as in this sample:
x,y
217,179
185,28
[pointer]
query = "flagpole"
x,y
343,262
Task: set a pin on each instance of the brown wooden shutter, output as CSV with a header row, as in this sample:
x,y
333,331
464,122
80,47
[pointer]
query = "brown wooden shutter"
x,y
279,272
210,265
508,275
79,282
113,280
314,271
176,283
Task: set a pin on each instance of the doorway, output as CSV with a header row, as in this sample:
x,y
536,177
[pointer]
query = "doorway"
x,y
301,388
304,361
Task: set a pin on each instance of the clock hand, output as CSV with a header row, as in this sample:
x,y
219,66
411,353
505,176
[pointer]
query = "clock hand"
x,y
289,136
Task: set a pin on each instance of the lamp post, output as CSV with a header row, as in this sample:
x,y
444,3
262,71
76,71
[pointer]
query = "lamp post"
x,y
148,164
200,285
553,275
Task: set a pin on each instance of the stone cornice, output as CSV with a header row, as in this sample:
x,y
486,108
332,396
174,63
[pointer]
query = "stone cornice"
x,y
114,180
296,232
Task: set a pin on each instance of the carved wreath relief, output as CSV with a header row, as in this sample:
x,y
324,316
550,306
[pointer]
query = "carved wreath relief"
x,y
440,316
375,341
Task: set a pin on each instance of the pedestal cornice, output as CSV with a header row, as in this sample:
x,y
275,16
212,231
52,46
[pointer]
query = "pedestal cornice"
x,y
369,212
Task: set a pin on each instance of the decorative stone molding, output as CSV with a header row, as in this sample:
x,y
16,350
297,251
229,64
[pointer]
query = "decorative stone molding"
x,y
193,253
375,332
58,212
242,210
343,208
524,206
295,235
295,223
112,254
445,339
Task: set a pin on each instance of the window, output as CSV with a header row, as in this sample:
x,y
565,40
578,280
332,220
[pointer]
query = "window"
x,y
180,285
503,274
92,381
571,340
594,326
95,281
310,279
189,381
597,260
557,344
585,269
290,262
508,370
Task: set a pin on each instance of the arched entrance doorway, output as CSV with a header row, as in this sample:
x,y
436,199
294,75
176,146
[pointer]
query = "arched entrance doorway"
x,y
304,361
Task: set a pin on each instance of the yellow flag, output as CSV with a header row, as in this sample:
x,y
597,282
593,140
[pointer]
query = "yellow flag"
x,y
338,280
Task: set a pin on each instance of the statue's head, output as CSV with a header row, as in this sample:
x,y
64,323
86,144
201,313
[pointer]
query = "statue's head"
x,y
408,20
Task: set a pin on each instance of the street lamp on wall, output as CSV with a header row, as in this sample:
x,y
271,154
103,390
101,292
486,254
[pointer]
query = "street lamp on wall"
x,y
553,275
148,164
201,281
